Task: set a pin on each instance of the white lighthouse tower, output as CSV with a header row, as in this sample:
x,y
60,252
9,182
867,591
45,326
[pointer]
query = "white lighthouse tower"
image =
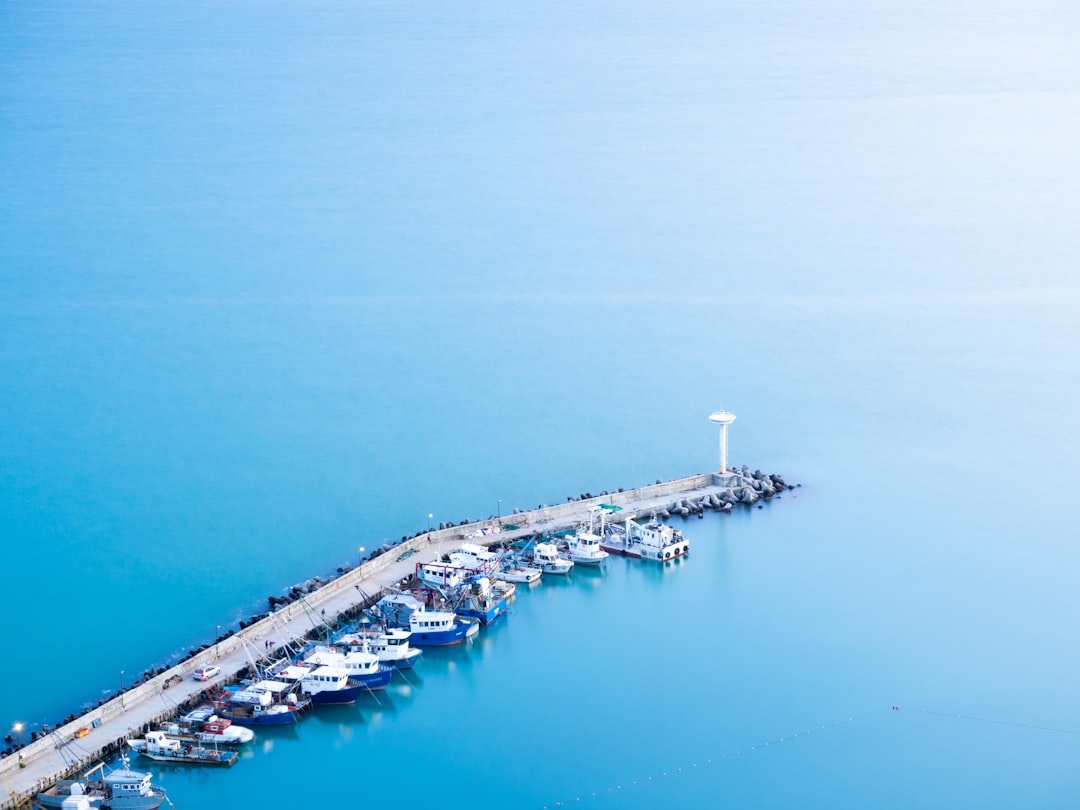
x,y
723,419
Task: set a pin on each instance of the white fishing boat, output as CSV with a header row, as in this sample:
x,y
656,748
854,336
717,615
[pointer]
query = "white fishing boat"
x,y
325,684
652,541
442,575
430,626
161,747
265,703
583,547
475,558
390,645
521,574
363,667
546,557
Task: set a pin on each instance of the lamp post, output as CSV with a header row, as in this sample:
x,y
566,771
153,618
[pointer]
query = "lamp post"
x,y
360,552
429,517
17,729
121,689
500,507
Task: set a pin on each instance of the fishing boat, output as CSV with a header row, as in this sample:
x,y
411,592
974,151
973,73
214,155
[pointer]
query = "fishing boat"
x,y
652,541
513,570
441,575
265,703
430,626
119,789
475,558
389,644
204,727
481,598
546,557
362,667
159,746
583,548
326,685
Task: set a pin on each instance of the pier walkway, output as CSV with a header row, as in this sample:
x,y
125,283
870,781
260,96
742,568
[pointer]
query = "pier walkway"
x,y
76,746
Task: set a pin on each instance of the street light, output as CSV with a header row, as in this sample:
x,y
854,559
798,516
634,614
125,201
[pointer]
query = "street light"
x,y
121,689
18,727
429,517
360,552
500,507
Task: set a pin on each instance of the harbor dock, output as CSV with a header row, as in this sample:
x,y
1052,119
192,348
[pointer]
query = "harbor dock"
x,y
102,732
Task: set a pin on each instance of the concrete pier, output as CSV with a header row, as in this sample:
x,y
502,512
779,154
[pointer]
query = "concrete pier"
x,y
101,732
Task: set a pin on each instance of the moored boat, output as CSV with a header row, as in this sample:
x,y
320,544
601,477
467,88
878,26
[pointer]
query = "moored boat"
x,y
326,685
430,627
362,667
521,574
202,726
546,557
583,548
159,746
266,703
390,645
119,789
652,541
475,558
441,575
482,598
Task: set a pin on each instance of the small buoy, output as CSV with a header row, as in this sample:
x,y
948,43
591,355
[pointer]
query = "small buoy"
x,y
896,708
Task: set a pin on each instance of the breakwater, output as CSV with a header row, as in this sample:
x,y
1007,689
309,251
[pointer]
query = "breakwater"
x,y
76,744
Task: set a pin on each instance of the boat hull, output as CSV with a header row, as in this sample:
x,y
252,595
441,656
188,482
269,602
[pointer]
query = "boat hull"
x,y
660,555
519,575
225,759
439,638
99,796
404,662
486,616
375,680
339,697
263,719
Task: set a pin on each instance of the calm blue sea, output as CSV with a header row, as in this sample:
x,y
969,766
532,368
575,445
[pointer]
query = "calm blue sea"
x,y
278,280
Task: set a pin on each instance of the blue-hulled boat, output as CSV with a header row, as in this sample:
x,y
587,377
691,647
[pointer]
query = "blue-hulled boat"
x,y
266,703
480,597
362,667
390,645
430,627
326,685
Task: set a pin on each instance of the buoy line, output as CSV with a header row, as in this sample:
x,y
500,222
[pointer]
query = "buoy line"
x,y
997,721
729,755
689,767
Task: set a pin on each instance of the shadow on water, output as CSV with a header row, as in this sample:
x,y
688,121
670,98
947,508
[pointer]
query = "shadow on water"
x,y
381,700
558,580
334,715
588,576
656,571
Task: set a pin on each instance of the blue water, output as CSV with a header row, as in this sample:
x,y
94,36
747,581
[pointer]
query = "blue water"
x,y
278,281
